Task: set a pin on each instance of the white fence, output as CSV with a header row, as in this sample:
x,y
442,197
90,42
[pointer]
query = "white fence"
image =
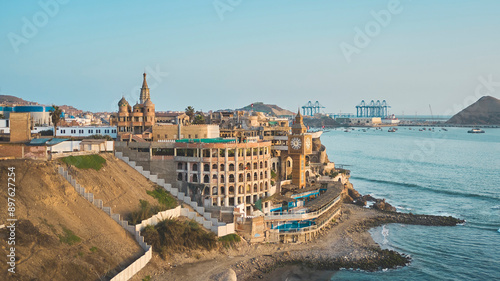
x,y
201,216
138,264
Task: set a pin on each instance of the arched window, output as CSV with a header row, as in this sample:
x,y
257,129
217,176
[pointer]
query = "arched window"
x,y
255,165
221,178
195,167
231,190
240,167
195,178
206,167
255,177
261,187
222,190
214,167
248,177
248,165
261,175
214,190
179,176
231,178
240,189
265,164
265,174
255,188
222,167
265,185
231,167
206,179
261,164
179,166
289,163
240,177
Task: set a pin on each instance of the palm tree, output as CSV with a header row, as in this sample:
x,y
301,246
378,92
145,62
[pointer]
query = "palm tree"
x,y
55,115
190,112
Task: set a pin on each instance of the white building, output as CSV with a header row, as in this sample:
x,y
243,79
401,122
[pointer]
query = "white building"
x,y
86,131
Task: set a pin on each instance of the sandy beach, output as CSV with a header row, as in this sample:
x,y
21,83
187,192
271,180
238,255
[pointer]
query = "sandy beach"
x,y
344,243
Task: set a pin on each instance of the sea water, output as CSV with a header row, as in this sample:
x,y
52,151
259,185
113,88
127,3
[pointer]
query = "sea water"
x,y
438,172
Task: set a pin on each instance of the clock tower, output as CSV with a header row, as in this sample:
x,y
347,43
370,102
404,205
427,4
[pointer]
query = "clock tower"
x,y
299,145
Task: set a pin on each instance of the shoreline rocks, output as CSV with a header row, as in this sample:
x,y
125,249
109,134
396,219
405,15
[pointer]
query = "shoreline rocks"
x,y
375,258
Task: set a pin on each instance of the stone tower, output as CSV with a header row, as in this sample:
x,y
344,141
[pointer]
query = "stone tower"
x,y
299,144
144,91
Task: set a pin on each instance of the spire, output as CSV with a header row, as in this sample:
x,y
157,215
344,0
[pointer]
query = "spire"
x,y
144,83
144,90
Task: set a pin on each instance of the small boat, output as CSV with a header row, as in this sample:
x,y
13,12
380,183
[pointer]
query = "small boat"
x,y
444,129
475,131
392,130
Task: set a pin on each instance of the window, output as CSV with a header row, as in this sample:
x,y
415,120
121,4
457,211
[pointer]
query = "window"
x,y
80,131
106,131
114,131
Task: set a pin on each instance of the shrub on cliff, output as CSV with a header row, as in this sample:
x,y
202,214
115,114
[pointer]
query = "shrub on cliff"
x,y
170,236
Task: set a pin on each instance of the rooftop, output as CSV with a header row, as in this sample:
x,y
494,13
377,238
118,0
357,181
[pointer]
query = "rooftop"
x,y
213,140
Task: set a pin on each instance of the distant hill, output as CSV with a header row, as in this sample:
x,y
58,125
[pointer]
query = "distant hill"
x,y
6,99
271,109
485,111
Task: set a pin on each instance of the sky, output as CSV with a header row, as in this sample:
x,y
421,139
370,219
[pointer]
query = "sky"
x,y
219,54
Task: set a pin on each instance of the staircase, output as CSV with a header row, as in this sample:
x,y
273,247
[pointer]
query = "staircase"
x,y
196,212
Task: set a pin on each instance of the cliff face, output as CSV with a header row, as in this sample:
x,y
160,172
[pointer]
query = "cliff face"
x,y
485,111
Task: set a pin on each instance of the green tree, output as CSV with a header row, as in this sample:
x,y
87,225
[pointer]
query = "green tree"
x,y
2,117
199,119
190,112
55,115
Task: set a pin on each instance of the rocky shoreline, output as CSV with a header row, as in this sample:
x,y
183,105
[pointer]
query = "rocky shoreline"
x,y
373,258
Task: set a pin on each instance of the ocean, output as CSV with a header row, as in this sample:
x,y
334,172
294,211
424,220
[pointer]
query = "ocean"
x,y
429,172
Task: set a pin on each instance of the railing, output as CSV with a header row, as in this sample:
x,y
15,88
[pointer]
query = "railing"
x,y
278,216
308,228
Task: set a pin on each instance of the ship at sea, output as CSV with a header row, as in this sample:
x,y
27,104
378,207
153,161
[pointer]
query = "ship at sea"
x,y
390,120
475,131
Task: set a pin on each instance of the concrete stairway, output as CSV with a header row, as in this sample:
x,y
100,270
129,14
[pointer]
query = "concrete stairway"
x,y
197,213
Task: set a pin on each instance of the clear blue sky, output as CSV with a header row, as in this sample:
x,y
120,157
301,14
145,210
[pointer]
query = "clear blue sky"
x,y
90,53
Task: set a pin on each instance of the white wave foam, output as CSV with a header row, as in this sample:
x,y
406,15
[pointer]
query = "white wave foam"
x,y
385,234
497,207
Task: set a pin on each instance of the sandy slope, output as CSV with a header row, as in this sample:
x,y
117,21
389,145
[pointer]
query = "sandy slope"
x,y
45,204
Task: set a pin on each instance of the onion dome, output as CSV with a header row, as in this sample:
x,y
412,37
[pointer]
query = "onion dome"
x,y
123,102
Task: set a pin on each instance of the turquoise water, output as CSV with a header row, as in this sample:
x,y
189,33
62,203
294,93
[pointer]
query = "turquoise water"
x,y
440,173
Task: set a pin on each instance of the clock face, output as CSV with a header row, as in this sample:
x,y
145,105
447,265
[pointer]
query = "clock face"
x,y
308,143
295,143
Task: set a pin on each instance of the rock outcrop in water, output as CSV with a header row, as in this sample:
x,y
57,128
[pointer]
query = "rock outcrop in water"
x,y
485,111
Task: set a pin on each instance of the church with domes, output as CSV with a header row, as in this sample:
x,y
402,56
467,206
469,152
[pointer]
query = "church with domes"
x,y
140,117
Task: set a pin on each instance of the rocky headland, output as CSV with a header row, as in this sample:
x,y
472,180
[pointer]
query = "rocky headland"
x,y
344,243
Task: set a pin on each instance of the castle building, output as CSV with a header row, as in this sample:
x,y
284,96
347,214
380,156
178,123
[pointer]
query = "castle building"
x,y
138,118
